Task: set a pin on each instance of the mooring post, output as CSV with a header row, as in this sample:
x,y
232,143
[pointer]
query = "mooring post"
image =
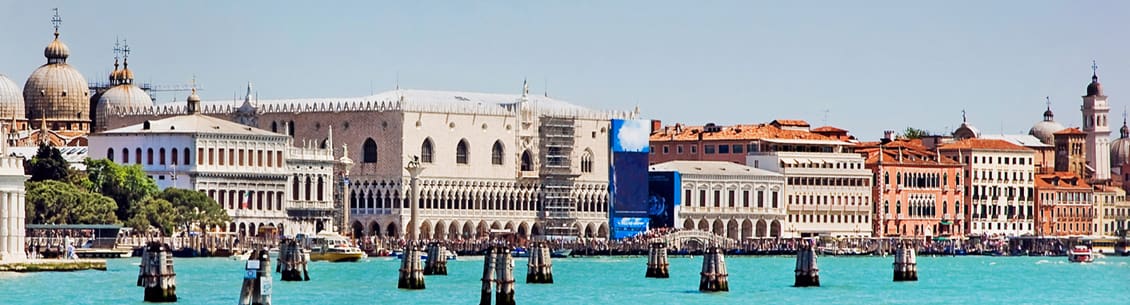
x,y
292,262
657,266
437,259
411,272
504,267
257,279
156,274
714,276
539,269
807,272
488,276
906,263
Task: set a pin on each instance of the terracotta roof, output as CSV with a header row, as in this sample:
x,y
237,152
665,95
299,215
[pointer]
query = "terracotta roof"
x,y
828,129
1070,131
911,150
1048,180
733,132
987,144
787,122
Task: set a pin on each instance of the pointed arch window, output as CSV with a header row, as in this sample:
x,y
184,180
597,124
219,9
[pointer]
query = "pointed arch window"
x,y
496,153
427,151
369,151
586,161
461,152
527,161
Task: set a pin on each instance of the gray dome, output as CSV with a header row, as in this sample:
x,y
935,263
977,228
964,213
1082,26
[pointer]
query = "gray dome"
x,y
56,91
11,100
1119,152
120,98
966,131
1045,130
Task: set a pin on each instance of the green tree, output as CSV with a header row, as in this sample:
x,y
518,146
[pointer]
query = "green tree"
x,y
194,208
914,133
58,202
48,164
128,185
153,213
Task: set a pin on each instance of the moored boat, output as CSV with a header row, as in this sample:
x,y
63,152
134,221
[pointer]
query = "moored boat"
x,y
331,247
560,253
1080,254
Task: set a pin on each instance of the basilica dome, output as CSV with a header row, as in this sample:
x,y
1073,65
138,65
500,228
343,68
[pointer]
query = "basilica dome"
x,y
1120,148
123,96
56,91
11,100
1045,130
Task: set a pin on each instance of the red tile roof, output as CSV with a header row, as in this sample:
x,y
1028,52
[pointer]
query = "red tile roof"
x,y
1048,180
786,122
985,144
1070,131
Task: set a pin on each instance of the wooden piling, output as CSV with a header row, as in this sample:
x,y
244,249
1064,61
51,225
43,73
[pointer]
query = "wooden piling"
x,y
292,262
714,277
504,278
539,269
657,266
488,276
411,272
156,274
437,260
906,263
257,279
807,272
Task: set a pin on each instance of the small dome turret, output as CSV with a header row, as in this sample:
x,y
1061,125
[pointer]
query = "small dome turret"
x,y
1045,130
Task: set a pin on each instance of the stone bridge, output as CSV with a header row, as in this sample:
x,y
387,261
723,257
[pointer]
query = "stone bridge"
x,y
695,239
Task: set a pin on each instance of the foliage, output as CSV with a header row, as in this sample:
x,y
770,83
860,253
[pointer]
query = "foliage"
x,y
914,133
56,202
48,164
194,208
153,213
128,185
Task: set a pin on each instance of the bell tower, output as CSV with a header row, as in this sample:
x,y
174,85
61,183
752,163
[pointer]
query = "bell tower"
x,y
1095,124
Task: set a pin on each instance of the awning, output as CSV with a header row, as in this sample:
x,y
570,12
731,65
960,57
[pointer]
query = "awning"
x,y
946,222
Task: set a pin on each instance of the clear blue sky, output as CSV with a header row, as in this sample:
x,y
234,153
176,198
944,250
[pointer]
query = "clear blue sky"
x,y
872,65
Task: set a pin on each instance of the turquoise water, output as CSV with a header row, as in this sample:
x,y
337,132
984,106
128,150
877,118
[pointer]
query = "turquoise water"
x,y
616,280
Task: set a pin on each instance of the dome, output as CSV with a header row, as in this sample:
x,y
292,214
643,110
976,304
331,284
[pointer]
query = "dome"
x,y
120,97
56,90
11,100
1094,88
1044,131
966,131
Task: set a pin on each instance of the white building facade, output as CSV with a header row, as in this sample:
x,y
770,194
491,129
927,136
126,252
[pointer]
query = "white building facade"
x,y
729,199
827,187
248,171
488,159
1001,185
13,211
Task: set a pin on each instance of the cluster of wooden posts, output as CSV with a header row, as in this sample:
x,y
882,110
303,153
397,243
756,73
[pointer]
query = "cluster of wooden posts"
x,y
159,279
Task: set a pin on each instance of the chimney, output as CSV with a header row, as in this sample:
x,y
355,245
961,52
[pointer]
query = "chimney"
x,y
889,134
655,125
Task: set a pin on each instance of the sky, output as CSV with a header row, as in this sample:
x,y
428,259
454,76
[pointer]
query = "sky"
x,y
865,66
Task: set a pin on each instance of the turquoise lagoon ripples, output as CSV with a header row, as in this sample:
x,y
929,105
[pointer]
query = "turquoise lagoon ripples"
x,y
616,280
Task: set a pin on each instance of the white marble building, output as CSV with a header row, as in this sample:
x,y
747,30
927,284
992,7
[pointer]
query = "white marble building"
x,y
13,213
256,175
729,199
1001,185
827,187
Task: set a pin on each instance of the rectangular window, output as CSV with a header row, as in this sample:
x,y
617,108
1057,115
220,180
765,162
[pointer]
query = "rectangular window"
x,y
694,149
278,159
222,156
745,199
259,161
702,198
717,199
723,149
687,195
270,154
200,156
231,156
760,199
679,149
666,149
774,199
708,149
737,148
240,157
731,201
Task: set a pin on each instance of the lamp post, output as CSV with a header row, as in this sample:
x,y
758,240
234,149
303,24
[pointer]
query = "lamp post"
x,y
346,164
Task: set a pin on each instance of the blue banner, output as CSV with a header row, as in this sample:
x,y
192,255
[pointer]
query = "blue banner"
x,y
663,198
626,227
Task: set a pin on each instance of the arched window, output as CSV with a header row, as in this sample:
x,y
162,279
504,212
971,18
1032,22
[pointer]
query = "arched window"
x,y
125,155
187,158
496,153
149,156
461,152
137,155
321,185
294,188
427,151
275,126
161,153
527,161
174,158
307,189
110,154
586,161
369,151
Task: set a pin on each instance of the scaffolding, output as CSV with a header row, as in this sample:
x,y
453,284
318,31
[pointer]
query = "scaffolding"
x,y
557,136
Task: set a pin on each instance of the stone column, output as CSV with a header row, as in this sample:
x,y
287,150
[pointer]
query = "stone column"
x,y
21,231
5,227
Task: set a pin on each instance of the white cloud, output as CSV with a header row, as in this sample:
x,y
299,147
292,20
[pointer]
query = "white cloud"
x,y
633,135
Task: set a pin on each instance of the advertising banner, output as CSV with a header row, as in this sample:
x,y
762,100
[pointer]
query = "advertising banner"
x,y
663,198
628,176
626,227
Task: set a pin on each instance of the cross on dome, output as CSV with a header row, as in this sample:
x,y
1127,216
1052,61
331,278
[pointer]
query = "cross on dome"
x,y
56,20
